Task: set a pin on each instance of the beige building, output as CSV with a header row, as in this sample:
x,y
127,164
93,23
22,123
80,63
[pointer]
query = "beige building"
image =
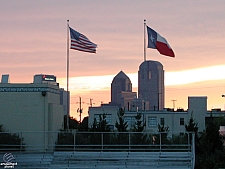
x,y
33,111
109,111
175,120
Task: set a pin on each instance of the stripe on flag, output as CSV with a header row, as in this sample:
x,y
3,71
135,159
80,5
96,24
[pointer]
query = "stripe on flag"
x,y
81,42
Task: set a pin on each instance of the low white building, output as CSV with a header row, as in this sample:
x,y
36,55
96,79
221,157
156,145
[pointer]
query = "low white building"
x,y
33,111
175,120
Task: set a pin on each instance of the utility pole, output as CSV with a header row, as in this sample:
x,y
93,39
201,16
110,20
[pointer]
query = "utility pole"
x,y
91,102
79,110
174,103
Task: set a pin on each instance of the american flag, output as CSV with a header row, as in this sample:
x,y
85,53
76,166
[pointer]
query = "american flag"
x,y
81,42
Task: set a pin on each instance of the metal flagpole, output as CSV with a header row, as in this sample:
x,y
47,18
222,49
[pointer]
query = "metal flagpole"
x,y
145,73
67,77
144,40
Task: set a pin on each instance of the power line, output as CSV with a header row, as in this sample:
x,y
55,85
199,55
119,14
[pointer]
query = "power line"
x,y
173,89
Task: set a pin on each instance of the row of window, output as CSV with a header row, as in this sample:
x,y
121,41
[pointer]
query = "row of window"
x,y
152,120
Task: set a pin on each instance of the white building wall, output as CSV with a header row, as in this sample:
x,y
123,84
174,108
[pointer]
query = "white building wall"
x,y
197,107
175,120
108,110
24,108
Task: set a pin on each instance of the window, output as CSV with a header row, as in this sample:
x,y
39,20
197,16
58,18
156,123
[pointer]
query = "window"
x,y
181,121
130,121
149,74
162,121
152,121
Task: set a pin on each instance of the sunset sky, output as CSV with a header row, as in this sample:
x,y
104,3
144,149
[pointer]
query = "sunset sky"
x,y
34,35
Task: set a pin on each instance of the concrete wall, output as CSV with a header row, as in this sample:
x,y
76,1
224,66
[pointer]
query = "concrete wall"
x,y
197,107
31,109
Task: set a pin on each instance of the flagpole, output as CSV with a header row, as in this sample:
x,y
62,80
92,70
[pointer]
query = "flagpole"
x,y
67,77
145,65
144,40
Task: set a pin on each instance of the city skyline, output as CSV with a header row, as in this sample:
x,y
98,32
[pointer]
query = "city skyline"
x,y
33,41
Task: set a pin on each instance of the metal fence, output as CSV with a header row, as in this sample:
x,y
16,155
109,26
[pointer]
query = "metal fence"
x,y
96,141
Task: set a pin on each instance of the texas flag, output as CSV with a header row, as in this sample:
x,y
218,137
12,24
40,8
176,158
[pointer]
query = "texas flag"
x,y
156,41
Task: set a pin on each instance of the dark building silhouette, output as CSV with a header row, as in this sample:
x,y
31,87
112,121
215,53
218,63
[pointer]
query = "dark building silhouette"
x,y
151,84
121,91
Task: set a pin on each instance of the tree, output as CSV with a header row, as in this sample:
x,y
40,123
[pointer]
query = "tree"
x,y
84,125
162,128
211,153
139,125
121,125
163,132
211,138
192,126
10,141
73,123
101,125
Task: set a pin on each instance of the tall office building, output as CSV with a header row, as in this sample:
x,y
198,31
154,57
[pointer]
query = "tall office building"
x,y
121,91
151,84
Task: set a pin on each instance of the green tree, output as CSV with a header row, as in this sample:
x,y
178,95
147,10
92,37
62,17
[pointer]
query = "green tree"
x,y
84,125
211,153
139,125
73,123
121,125
162,128
211,138
163,132
10,141
192,126
65,140
101,125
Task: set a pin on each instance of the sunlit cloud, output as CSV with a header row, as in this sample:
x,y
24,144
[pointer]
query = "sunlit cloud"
x,y
195,75
90,83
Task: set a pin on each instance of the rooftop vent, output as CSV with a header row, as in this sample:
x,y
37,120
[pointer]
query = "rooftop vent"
x,y
5,79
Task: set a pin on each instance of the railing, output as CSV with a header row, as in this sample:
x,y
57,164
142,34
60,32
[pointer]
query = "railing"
x,y
156,149
96,141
